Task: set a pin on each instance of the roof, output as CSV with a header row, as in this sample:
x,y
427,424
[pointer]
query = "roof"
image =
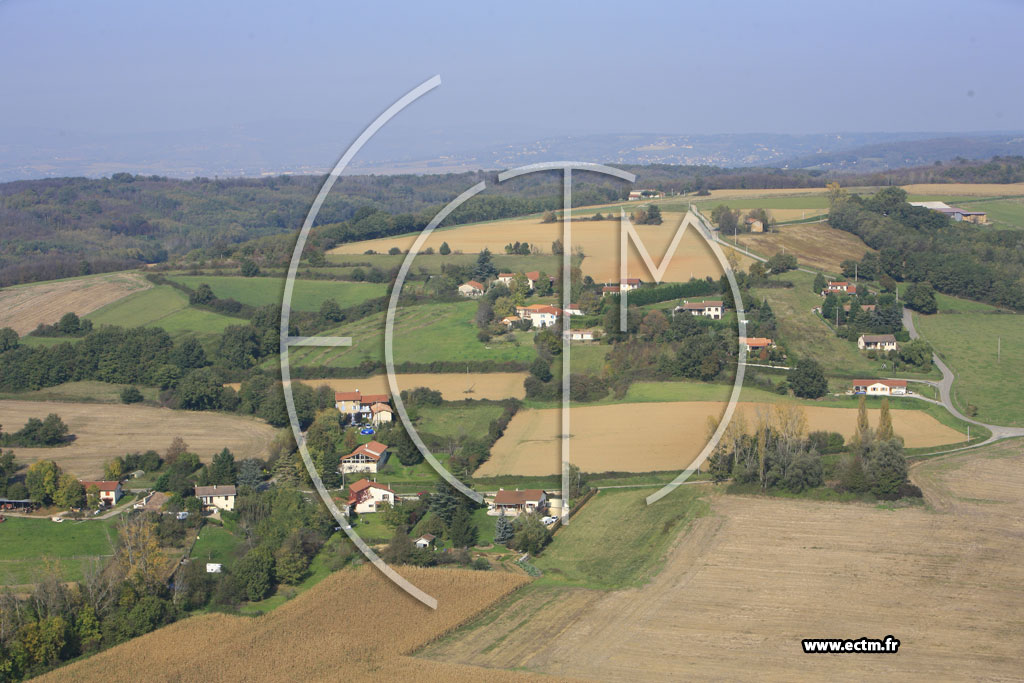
x,y
364,484
838,283
347,396
935,206
426,537
506,274
518,497
701,305
215,490
609,288
510,318
631,280
474,284
381,408
965,212
373,450
756,341
574,307
375,398
101,485
878,338
533,275
886,382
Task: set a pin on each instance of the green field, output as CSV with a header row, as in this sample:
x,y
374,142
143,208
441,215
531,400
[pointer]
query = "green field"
x,y
968,343
84,392
162,306
1004,213
423,334
31,547
804,334
457,419
308,294
617,540
218,544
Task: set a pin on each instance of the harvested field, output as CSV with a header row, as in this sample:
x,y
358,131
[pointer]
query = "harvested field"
x,y
962,189
24,307
599,240
817,245
105,431
314,637
744,585
453,386
654,437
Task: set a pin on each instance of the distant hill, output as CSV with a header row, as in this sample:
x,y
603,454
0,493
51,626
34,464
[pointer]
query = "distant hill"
x,y
909,153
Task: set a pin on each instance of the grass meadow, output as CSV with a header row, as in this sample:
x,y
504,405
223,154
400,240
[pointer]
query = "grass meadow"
x,y
308,294
32,547
165,307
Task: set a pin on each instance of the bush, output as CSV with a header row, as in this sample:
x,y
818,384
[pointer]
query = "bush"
x,y
131,395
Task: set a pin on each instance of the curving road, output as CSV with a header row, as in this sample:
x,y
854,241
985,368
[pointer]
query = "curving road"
x,y
945,387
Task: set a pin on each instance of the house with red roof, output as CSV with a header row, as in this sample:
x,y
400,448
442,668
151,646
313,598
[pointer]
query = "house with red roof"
x,y
541,315
110,491
366,496
369,457
839,287
472,289
518,502
880,387
362,407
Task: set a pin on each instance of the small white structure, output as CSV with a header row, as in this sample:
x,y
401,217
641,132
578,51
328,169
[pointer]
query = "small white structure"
x,y
629,284
365,496
369,457
880,387
425,541
574,309
708,309
879,342
581,335
472,289
218,496
214,567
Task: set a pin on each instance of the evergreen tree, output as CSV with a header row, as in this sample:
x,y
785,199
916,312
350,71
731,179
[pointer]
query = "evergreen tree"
x,y
462,532
653,214
807,380
445,502
222,471
886,467
445,249
863,435
819,283
484,269
885,422
503,531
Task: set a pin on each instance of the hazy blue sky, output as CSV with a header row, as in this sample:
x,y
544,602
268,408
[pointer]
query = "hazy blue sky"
x,y
515,69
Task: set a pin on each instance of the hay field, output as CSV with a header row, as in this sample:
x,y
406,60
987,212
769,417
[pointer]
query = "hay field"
x,y
817,245
745,584
105,431
966,189
318,636
24,307
453,386
599,240
653,437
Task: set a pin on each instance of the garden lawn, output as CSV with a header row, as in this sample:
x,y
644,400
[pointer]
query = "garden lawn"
x,y
31,547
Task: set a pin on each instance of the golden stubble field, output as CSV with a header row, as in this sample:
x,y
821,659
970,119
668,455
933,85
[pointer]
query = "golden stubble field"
x,y
598,239
105,431
817,245
353,626
653,437
453,386
23,308
745,584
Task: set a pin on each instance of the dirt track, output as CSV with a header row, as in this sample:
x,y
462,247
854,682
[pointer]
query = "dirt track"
x,y
454,386
23,308
746,584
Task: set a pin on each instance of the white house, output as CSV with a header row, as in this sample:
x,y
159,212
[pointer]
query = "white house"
x,y
425,541
880,342
629,284
382,413
506,279
359,406
880,387
369,457
517,502
839,287
541,315
218,496
708,309
110,491
472,289
366,496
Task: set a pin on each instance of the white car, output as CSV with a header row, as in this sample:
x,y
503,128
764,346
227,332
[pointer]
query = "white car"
x,y
549,520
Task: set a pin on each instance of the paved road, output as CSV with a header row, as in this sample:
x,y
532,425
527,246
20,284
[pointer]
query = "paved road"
x,y
945,387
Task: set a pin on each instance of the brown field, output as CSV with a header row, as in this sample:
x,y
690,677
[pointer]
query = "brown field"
x,y
745,584
653,437
961,189
599,240
453,386
24,307
105,431
316,636
817,245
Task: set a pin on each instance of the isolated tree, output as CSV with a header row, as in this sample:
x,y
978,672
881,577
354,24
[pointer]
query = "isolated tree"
x,y
884,431
131,395
653,215
549,217
807,380
445,249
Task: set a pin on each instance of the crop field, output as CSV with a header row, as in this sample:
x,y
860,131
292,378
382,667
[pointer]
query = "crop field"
x,y
804,334
308,295
599,241
33,547
165,307
653,437
969,343
816,245
432,263
745,584
24,307
453,386
314,637
423,333
103,431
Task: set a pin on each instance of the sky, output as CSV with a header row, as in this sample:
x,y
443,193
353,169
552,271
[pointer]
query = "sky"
x,y
512,71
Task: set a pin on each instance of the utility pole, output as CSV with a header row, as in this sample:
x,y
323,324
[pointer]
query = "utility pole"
x,y
999,349
855,272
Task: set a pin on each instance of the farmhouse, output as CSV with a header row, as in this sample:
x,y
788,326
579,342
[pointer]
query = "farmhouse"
x,y
880,342
957,214
754,224
110,491
366,496
709,309
359,406
218,496
516,502
505,278
880,387
639,195
756,343
541,315
839,287
472,289
629,284
369,457
425,541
